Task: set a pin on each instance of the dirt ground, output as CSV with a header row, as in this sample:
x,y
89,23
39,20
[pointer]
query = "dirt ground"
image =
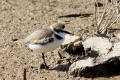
x,y
19,18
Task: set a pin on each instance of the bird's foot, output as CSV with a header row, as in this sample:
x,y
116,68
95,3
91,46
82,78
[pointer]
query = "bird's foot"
x,y
43,66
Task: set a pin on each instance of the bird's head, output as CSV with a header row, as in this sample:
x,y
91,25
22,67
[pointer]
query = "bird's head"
x,y
59,28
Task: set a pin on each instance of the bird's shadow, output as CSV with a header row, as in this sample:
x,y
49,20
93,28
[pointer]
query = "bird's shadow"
x,y
103,70
61,67
76,15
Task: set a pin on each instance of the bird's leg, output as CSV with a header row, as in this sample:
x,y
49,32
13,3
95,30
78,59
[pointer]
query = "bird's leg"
x,y
45,65
43,57
61,57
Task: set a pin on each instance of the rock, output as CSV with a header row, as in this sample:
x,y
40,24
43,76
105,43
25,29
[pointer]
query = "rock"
x,y
105,59
70,38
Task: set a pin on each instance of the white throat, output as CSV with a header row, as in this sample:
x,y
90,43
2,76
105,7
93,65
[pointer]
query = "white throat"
x,y
51,28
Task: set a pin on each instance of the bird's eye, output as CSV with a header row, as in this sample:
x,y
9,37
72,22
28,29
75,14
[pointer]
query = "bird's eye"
x,y
63,27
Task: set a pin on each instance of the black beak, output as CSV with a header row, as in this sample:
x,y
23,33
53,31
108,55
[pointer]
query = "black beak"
x,y
64,31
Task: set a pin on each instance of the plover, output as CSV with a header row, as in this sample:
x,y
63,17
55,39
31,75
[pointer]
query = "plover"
x,y
46,39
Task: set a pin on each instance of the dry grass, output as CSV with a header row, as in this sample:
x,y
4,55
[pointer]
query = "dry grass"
x,y
111,10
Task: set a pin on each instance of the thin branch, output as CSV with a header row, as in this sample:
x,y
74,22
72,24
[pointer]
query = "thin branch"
x,y
117,6
109,25
98,24
24,75
103,15
108,10
114,21
110,16
95,13
113,28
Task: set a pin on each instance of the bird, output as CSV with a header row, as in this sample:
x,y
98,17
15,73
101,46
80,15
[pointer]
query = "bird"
x,y
46,39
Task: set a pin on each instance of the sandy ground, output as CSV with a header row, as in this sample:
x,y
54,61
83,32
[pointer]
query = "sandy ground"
x,y
19,18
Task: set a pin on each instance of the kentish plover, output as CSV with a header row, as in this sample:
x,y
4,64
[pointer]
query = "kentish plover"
x,y
46,39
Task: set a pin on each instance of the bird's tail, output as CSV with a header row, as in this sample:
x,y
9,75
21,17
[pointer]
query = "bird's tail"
x,y
18,40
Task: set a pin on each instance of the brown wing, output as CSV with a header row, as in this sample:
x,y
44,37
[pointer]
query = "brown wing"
x,y
44,41
39,36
